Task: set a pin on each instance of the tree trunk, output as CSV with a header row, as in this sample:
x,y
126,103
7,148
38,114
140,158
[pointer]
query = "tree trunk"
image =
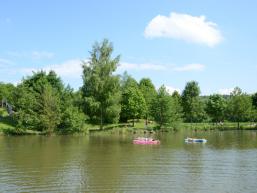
x,y
133,123
146,120
101,117
237,125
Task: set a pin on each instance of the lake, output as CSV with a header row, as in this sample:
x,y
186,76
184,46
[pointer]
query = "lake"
x,y
111,163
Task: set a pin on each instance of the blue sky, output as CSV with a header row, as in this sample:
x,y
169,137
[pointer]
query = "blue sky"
x,y
172,42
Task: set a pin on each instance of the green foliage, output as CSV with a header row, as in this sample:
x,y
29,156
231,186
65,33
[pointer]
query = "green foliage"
x,y
101,89
193,107
216,108
133,103
6,92
148,90
177,107
27,107
254,100
43,104
191,90
50,112
128,81
163,109
72,120
239,106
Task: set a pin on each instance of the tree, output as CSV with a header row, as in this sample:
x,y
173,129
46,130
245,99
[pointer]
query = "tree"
x,y
239,106
6,92
127,81
38,101
73,118
177,108
162,108
26,107
43,104
193,107
216,107
254,100
133,104
148,90
50,112
101,89
254,110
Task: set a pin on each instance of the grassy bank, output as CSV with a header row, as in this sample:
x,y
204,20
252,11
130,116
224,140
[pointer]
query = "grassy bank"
x,y
8,126
6,122
223,126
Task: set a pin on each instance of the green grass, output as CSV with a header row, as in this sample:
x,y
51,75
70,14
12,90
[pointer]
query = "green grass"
x,y
7,126
224,126
140,126
6,122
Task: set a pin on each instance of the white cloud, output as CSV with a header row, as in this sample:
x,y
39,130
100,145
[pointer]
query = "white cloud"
x,y
134,66
171,89
190,67
159,67
42,55
185,27
69,68
5,62
225,91
34,55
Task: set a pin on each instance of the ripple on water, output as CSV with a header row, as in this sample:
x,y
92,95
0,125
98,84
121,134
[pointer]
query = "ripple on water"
x,y
62,164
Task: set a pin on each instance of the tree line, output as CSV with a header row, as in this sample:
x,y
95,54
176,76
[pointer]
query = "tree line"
x,y
42,102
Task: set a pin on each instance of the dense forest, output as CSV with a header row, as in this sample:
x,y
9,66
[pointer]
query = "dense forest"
x,y
41,102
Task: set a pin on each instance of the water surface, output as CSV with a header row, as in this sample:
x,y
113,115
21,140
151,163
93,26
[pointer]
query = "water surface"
x,y
111,163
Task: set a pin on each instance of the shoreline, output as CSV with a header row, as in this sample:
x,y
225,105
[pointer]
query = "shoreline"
x,y
124,130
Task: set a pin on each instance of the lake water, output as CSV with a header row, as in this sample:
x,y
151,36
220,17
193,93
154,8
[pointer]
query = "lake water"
x,y
111,163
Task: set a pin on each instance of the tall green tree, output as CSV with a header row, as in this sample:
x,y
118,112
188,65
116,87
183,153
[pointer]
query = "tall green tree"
x,y
193,107
50,110
254,100
177,107
101,89
254,110
162,110
239,106
216,108
148,90
133,103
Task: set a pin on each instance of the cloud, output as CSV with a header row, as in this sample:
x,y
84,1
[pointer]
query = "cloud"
x,y
159,67
70,68
225,91
42,55
34,55
5,62
146,66
171,89
190,67
185,27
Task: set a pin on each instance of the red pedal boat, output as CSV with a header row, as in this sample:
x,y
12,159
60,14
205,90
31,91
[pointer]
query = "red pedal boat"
x,y
146,141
